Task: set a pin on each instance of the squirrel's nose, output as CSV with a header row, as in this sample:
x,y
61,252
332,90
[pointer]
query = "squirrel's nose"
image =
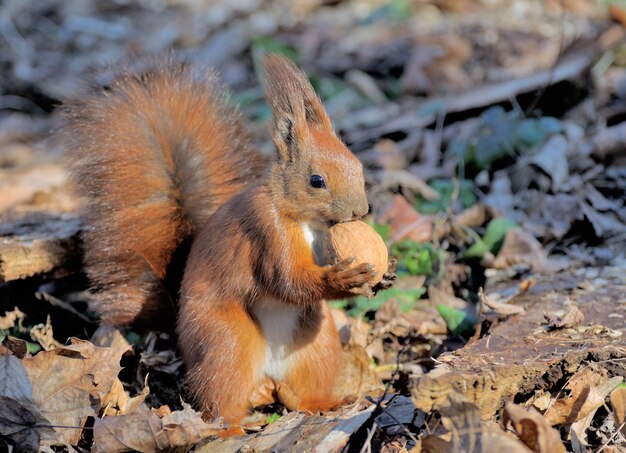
x,y
360,211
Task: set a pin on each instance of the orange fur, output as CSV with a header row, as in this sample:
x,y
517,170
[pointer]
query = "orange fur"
x,y
162,157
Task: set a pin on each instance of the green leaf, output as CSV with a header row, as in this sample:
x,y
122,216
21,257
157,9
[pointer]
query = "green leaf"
x,y
419,259
406,298
492,240
476,250
272,418
340,304
458,321
496,230
533,132
384,231
446,188
33,348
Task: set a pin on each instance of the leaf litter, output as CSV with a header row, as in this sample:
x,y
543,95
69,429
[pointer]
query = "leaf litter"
x,y
492,136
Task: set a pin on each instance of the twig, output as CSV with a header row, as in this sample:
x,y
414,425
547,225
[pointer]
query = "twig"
x,y
612,437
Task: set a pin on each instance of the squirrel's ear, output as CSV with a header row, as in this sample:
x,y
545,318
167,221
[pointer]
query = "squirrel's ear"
x,y
295,106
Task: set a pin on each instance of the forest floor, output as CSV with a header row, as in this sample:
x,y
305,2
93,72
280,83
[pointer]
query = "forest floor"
x,y
493,136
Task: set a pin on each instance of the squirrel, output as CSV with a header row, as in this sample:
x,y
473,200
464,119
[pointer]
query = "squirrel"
x,y
162,158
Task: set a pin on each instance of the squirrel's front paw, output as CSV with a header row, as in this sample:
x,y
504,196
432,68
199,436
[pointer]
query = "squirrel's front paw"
x,y
389,277
351,280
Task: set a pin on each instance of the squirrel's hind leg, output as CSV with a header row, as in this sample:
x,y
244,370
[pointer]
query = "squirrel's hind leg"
x,y
313,374
223,350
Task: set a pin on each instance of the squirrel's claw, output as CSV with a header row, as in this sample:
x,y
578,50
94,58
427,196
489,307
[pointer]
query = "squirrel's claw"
x,y
389,277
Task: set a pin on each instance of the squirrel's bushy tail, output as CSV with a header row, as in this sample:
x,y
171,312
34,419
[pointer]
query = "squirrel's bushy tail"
x,y
154,154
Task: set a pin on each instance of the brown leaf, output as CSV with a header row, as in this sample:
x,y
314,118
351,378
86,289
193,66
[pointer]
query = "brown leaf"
x,y
11,318
521,247
357,377
406,222
469,433
572,318
14,346
119,402
125,432
501,308
70,382
570,408
532,429
146,430
618,402
184,428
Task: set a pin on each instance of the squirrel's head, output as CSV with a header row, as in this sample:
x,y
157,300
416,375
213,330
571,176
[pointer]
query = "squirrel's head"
x,y
321,180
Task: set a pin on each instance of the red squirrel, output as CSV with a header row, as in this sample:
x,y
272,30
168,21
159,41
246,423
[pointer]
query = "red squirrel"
x,y
161,156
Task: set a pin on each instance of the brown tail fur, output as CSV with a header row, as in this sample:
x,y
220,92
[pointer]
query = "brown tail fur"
x,y
156,153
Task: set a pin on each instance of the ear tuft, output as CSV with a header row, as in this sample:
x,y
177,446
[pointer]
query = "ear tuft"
x,y
292,100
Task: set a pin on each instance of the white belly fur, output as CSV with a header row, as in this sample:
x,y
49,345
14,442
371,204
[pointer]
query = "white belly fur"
x,y
279,322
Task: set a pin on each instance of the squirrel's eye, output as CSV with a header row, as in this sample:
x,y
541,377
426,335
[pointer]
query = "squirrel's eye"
x,y
318,182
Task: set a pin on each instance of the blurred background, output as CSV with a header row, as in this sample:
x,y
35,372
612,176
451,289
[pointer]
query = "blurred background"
x,y
493,133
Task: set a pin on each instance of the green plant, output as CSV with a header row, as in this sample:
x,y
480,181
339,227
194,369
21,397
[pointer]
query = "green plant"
x,y
359,306
419,259
501,134
459,322
447,190
492,239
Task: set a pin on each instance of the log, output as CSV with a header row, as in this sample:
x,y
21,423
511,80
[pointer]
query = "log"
x,y
522,354
38,243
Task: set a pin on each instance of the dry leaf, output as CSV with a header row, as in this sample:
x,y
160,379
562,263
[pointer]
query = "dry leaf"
x,y
406,222
11,318
521,247
19,425
572,318
552,159
357,377
532,429
70,382
580,401
118,401
501,308
42,333
110,337
618,402
125,432
14,382
469,433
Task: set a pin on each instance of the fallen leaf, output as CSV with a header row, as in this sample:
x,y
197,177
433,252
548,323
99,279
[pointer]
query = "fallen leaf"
x,y
69,383
406,222
475,215
618,402
14,382
532,429
125,432
588,390
356,377
146,431
604,223
18,424
17,347
552,159
42,333
469,433
520,247
500,308
184,428
572,318
119,402
11,318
